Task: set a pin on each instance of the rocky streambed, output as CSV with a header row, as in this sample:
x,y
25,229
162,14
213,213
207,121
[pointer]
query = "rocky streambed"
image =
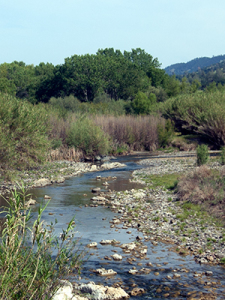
x,y
155,213
53,172
150,217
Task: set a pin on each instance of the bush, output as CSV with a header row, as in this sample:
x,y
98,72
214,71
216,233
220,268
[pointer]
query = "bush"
x,y
84,135
23,133
142,104
28,269
165,133
201,112
202,155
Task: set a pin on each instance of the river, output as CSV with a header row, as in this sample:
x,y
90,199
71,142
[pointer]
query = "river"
x,y
92,225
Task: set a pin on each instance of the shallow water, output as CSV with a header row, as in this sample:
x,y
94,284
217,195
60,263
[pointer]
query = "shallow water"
x,y
69,199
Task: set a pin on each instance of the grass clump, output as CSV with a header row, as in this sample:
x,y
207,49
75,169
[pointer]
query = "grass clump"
x,y
32,259
169,181
202,155
204,187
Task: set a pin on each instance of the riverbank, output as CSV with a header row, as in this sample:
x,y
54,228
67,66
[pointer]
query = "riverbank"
x,y
52,172
159,217
158,213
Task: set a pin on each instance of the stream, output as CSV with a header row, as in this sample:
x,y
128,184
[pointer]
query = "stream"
x,y
92,225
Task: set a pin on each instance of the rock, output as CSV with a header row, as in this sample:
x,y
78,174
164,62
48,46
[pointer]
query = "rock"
x,y
208,273
96,190
31,202
137,291
60,180
64,292
92,245
113,165
104,272
106,242
41,182
132,271
93,168
100,200
98,158
99,292
130,246
117,257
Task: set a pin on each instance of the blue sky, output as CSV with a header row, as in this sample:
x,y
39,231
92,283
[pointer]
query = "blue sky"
x,y
51,30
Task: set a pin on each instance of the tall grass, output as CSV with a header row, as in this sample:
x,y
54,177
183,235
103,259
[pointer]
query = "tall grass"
x,y
137,133
206,187
28,269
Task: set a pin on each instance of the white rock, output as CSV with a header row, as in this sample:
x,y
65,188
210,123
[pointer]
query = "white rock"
x,y
112,165
99,292
106,242
104,272
92,245
41,182
130,246
31,202
64,292
93,168
117,257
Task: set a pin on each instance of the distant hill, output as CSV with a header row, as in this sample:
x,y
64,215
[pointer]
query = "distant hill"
x,y
193,65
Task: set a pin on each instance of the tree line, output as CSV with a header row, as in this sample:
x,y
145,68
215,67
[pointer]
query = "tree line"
x,y
111,72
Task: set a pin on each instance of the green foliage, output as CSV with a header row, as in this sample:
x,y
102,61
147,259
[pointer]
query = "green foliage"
x,y
222,156
88,137
165,133
202,113
202,154
28,269
23,133
142,104
102,104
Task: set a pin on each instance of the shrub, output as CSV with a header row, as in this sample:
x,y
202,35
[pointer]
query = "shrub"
x,y
202,155
28,269
84,135
23,133
142,104
165,133
202,113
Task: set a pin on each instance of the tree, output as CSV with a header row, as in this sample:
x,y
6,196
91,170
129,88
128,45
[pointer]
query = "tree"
x,y
142,104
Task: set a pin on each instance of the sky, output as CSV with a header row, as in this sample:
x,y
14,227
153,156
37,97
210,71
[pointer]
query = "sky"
x,y
174,31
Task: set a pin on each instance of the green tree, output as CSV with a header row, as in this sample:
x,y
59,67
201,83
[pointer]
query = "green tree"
x,y
143,104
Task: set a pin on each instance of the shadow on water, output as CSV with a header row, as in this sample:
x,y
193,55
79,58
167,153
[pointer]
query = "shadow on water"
x,y
92,225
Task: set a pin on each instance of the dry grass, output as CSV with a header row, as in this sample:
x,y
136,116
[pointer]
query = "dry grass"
x,y
205,187
139,133
65,153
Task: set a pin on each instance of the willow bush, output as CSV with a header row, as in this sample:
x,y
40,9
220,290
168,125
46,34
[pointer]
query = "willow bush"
x,y
87,137
23,133
202,113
